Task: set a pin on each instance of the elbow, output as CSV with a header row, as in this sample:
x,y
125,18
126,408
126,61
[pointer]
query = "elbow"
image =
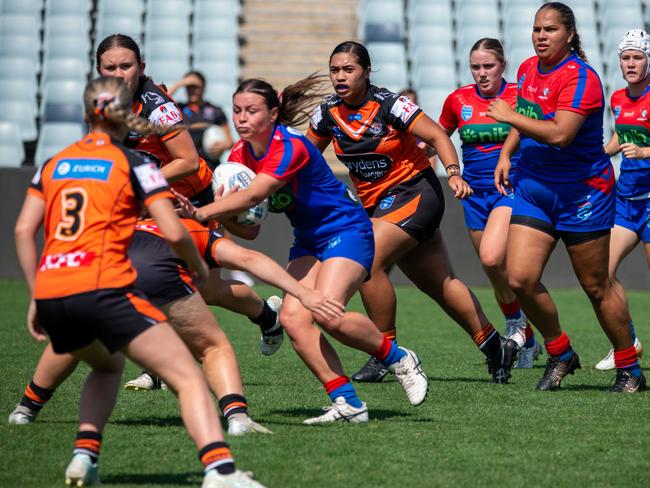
x,y
562,140
193,164
23,232
177,236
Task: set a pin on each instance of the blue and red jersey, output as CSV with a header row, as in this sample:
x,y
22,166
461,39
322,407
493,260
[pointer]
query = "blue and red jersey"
x,y
632,126
483,137
317,204
574,86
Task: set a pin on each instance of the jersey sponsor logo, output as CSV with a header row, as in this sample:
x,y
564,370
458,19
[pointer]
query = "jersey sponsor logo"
x,y
484,133
634,134
367,167
353,117
166,114
74,259
281,201
316,117
403,109
617,111
82,169
529,109
153,97
147,227
149,177
387,202
466,112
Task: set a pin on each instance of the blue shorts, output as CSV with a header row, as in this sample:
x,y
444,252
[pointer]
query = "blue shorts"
x,y
355,244
634,215
582,206
478,206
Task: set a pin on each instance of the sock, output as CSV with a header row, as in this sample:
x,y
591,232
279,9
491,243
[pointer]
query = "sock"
x,y
530,336
88,442
560,347
627,359
391,335
388,352
232,404
217,455
510,310
632,331
341,386
267,318
488,341
35,397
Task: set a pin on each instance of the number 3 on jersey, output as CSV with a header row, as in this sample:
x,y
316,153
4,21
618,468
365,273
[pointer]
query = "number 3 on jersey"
x,y
73,207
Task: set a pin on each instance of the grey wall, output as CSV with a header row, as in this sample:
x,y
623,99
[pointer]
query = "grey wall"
x,y
276,237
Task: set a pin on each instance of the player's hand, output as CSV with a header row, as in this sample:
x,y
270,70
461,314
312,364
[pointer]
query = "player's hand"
x,y
319,304
186,209
219,192
632,151
502,176
499,110
459,186
33,325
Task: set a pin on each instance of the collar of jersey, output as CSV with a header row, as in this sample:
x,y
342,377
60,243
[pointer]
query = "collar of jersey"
x,y
645,90
504,84
572,57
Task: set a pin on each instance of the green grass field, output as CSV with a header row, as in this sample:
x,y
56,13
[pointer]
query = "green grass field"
x,y
469,432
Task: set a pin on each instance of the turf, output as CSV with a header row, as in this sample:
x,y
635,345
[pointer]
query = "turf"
x,y
470,432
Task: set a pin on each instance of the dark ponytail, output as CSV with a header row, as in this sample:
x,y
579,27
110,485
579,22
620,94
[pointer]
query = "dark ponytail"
x,y
568,20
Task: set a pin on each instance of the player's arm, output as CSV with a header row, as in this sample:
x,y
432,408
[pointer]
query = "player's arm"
x,y
27,226
235,203
321,144
162,210
248,232
435,136
184,158
502,170
612,147
230,255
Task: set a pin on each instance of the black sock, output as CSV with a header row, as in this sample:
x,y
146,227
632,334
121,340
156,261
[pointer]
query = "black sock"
x,y
88,442
232,404
217,455
267,318
35,397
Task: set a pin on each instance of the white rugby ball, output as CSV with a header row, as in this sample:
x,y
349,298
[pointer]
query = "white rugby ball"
x,y
211,136
231,174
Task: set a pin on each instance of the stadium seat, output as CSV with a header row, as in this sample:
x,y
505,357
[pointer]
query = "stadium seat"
x,y
21,68
23,25
22,7
383,32
485,15
167,49
390,75
381,11
12,152
167,71
430,53
63,112
468,37
431,100
62,91
177,29
17,46
68,7
54,137
210,28
62,24
217,9
218,71
179,9
439,76
220,94
120,8
75,69
108,25
67,47
18,89
216,50
382,52
22,113
430,14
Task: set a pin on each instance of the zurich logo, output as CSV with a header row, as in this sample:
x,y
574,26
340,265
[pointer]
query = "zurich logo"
x,y
353,117
466,112
387,202
617,111
63,168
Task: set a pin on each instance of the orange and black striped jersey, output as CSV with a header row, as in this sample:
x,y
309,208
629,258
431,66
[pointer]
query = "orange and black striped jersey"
x,y
153,103
92,192
205,239
373,140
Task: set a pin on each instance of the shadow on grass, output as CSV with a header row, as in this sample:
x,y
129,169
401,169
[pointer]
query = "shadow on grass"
x,y
169,421
189,479
450,379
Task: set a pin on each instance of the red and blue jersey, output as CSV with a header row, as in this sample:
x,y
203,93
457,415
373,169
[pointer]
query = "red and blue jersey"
x,y
317,204
574,86
632,126
482,136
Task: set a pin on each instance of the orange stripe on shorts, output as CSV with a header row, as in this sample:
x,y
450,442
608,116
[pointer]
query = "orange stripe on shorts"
x,y
403,212
146,308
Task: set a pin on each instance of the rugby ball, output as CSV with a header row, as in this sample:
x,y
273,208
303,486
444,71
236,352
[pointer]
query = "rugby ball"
x,y
232,174
211,136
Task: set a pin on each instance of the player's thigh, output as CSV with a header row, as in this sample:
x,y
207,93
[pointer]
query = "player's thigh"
x,y
622,242
527,253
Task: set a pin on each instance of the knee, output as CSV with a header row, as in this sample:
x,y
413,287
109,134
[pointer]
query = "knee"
x,y
291,322
596,290
521,283
491,261
331,326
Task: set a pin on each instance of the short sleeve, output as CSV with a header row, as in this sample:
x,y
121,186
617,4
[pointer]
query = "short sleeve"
x,y
36,184
448,116
401,113
285,159
523,69
581,93
148,182
318,126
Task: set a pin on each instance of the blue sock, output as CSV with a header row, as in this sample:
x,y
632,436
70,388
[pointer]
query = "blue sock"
x,y
348,392
394,355
566,354
635,369
632,331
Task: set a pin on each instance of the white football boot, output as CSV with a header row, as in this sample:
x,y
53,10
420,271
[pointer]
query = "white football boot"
x,y
238,479
81,471
22,415
607,362
271,340
528,355
410,375
516,330
145,381
341,411
241,424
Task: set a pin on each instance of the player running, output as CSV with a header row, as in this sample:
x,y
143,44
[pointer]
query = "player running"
x,y
487,212
565,191
375,134
333,248
632,221
87,197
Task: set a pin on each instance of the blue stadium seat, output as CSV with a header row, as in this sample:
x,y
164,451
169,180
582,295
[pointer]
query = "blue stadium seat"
x,y
60,25
220,94
170,28
430,53
68,7
391,52
62,91
439,76
167,71
67,47
23,25
220,9
180,9
468,37
12,152
62,69
108,25
21,68
55,136
216,50
431,100
120,8
430,14
20,46
22,113
483,15
63,112
211,28
390,75
166,49
21,7
383,32
218,71
18,89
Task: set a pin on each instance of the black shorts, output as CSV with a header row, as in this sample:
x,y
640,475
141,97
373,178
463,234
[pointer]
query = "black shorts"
x,y
114,316
162,275
203,197
416,206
